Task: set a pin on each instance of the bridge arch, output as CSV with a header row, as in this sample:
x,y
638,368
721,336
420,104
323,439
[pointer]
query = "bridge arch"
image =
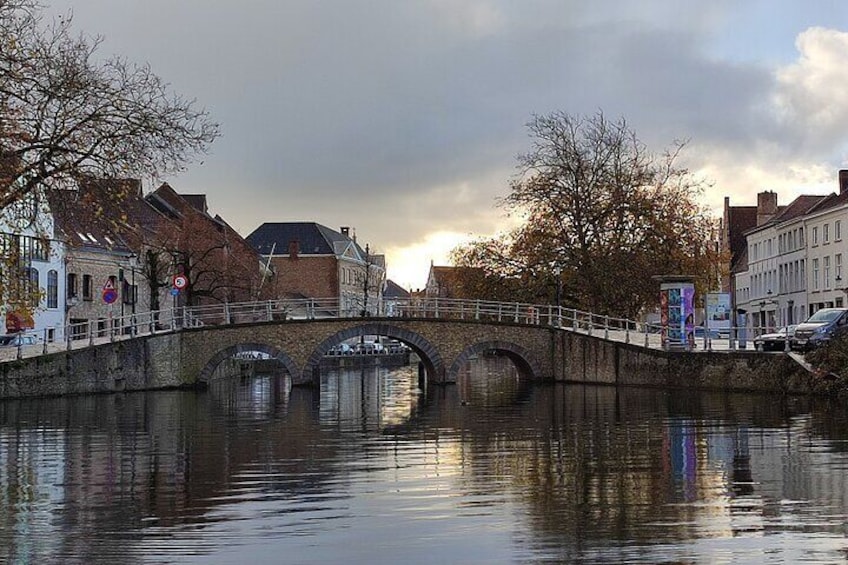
x,y
228,352
526,363
429,355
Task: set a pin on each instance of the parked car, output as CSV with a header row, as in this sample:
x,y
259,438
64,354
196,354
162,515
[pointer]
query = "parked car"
x,y
819,328
775,341
341,349
369,348
15,340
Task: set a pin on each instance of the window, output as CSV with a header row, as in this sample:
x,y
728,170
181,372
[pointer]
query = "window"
x,y
86,287
129,292
815,235
827,272
71,285
815,271
826,233
837,263
31,291
52,289
837,230
801,237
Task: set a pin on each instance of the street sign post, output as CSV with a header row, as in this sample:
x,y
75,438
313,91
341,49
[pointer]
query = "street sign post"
x,y
110,294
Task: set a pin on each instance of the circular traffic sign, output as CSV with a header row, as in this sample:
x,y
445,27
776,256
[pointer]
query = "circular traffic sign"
x,y
180,281
110,295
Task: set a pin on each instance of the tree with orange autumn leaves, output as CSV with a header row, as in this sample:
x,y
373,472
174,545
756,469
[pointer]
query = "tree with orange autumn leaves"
x,y
601,215
218,264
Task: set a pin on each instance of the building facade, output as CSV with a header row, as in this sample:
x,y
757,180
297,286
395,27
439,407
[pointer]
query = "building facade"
x,y
32,267
793,262
310,260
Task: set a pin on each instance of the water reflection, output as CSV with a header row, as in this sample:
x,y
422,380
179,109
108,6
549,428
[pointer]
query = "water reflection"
x,y
369,468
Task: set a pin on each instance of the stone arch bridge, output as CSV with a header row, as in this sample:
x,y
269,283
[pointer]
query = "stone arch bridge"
x,y
540,346
442,345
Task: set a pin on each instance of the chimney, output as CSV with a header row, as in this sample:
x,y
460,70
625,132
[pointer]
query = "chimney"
x,y
345,231
843,180
766,206
294,249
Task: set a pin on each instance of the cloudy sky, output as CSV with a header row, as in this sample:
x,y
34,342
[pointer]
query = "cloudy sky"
x,y
403,118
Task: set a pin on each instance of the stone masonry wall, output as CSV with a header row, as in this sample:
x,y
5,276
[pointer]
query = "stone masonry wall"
x,y
188,357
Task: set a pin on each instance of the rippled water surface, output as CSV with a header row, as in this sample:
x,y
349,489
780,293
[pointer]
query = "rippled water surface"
x,y
371,470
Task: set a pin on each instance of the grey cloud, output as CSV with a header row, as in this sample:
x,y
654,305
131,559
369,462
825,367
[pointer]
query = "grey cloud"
x,y
369,110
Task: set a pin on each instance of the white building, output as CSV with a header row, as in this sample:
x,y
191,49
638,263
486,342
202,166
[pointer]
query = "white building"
x,y
795,259
32,261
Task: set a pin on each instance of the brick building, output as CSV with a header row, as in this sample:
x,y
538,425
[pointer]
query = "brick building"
x,y
220,265
313,261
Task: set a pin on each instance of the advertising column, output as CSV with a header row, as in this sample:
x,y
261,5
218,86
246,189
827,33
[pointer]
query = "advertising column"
x,y
677,312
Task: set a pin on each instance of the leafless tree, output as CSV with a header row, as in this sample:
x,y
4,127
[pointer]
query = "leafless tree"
x,y
65,112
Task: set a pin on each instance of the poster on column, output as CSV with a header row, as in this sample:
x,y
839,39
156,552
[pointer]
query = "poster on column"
x,y
677,313
718,311
687,307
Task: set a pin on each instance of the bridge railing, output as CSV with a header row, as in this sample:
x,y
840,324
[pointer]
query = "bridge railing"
x,y
84,334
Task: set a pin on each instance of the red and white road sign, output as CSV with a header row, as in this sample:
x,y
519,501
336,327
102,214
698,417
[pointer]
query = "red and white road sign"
x,y
109,285
180,282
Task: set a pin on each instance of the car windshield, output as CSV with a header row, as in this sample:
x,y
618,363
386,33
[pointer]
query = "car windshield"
x,y
826,315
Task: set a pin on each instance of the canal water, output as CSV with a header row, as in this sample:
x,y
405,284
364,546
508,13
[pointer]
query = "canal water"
x,y
371,470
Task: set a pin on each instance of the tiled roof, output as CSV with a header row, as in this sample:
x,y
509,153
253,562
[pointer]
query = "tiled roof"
x,y
104,213
197,201
830,201
799,207
394,290
312,239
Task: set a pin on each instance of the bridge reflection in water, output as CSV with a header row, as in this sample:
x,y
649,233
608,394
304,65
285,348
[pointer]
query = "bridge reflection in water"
x,y
253,470
371,396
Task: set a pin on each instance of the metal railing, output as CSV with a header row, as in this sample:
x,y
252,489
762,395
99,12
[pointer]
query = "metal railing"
x,y
80,335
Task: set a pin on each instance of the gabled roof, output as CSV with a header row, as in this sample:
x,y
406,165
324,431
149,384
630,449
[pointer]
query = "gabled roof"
x,y
312,239
104,214
197,201
830,201
394,290
798,207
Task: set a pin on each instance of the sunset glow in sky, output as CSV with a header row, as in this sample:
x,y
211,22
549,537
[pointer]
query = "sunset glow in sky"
x,y
403,118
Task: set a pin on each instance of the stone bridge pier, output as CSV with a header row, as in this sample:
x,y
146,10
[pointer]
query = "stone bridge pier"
x,y
442,345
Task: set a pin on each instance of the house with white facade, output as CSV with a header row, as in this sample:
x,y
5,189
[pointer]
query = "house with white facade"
x,y
32,265
794,260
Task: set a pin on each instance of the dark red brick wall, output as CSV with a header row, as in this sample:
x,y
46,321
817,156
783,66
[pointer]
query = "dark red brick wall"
x,y
315,277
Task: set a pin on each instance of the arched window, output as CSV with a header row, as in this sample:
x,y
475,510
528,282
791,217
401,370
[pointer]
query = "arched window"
x,y
31,291
52,289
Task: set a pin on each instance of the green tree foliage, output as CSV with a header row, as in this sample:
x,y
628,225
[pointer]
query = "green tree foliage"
x,y
601,215
65,112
